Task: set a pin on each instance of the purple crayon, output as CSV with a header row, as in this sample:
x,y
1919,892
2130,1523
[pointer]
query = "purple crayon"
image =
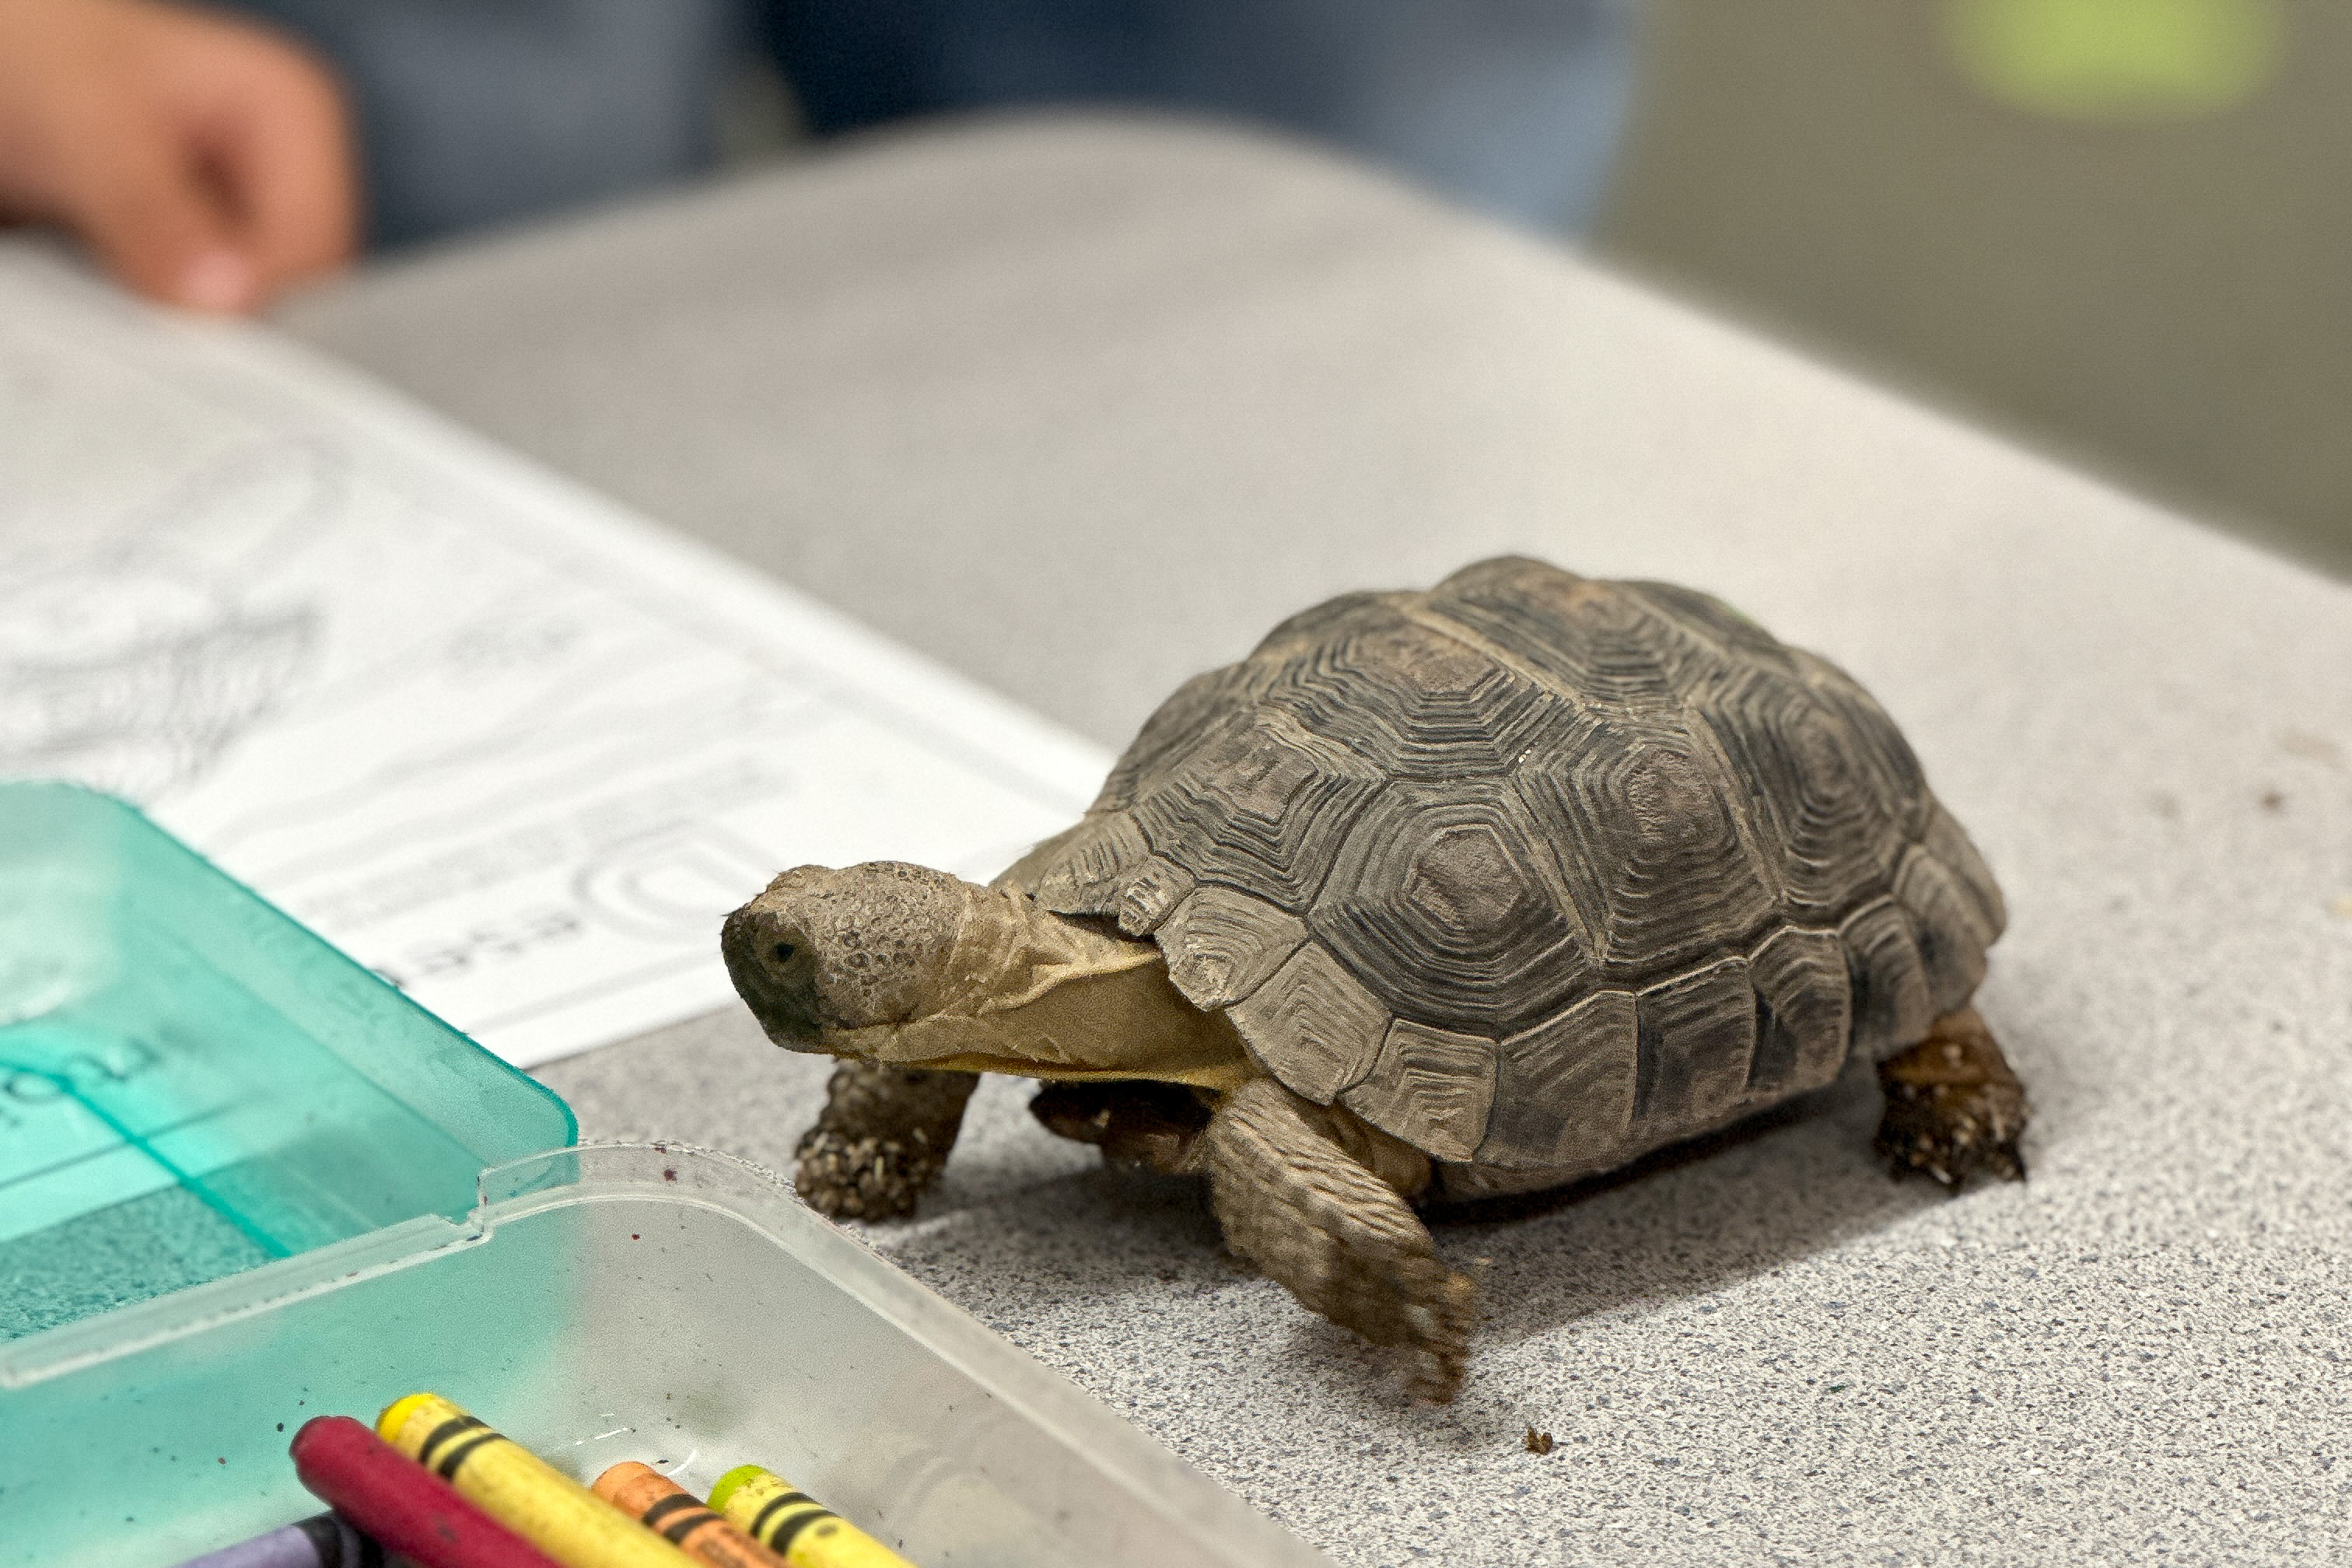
x,y
324,1541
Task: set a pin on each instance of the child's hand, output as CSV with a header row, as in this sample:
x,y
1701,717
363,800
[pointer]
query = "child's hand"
x,y
206,162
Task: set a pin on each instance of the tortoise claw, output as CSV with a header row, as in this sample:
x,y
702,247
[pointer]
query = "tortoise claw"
x,y
1440,1338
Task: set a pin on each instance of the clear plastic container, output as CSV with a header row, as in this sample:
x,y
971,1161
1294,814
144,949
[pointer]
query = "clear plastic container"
x,y
600,1304
243,1181
192,1084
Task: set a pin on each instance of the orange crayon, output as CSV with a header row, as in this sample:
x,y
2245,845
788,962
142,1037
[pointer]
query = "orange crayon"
x,y
661,1505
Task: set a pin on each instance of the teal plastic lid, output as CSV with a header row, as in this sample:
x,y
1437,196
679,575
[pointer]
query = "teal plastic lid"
x,y
193,1084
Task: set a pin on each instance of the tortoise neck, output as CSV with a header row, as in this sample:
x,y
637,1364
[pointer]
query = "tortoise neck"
x,y
1026,991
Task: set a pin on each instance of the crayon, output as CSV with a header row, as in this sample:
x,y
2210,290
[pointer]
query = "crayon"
x,y
795,1526
400,1503
522,1491
322,1541
658,1503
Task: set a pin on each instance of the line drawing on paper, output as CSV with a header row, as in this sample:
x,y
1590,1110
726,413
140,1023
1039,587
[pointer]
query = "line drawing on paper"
x,y
136,665
491,736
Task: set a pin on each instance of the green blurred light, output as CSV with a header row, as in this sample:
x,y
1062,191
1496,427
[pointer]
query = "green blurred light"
x,y
2116,59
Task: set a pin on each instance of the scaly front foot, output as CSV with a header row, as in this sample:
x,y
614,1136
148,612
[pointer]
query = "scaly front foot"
x,y
883,1139
864,1178
1295,1202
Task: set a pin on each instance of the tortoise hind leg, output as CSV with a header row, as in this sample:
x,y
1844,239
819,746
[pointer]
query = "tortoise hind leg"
x,y
1132,1120
882,1139
1296,1200
1953,1105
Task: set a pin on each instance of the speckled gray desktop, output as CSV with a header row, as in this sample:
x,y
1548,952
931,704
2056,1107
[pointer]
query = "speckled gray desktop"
x,y
951,382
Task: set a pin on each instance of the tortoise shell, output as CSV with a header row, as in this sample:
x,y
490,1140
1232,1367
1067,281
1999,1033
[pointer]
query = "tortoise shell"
x,y
1535,871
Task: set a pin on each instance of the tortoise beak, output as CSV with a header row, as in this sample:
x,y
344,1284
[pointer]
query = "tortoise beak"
x,y
775,974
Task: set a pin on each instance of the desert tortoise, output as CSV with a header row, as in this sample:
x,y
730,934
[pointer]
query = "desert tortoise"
x,y
1434,895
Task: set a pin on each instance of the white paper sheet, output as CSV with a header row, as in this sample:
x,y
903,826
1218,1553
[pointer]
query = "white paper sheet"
x,y
503,741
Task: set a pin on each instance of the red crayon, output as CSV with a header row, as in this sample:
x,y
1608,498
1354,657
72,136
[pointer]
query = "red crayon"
x,y
402,1504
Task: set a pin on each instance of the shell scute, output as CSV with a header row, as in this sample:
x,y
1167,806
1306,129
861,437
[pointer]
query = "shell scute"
x,y
1564,1088
1205,705
1587,636
1083,870
1948,842
1810,789
1316,622
1222,944
1695,1039
1414,701
1262,807
1890,768
1148,896
1710,619
1892,1004
1947,926
1445,894
1661,866
1313,1025
1804,1017
1432,1088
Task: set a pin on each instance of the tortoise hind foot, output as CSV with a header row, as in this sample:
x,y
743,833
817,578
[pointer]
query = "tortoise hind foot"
x,y
1954,1108
1132,1121
882,1140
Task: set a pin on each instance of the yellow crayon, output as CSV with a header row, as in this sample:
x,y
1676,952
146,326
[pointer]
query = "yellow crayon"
x,y
793,1525
520,1491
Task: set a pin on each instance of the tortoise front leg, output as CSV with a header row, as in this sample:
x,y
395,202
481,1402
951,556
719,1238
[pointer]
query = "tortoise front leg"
x,y
1294,1200
1953,1105
882,1138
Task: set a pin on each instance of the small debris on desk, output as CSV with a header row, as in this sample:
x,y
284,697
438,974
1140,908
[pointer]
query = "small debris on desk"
x,y
1537,1442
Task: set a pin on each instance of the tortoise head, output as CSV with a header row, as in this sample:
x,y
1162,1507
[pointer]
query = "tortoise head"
x,y
823,952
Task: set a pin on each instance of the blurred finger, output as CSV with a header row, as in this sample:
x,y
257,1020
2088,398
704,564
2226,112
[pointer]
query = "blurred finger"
x,y
156,224
275,137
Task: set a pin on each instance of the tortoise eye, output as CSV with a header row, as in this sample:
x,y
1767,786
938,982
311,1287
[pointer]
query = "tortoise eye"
x,y
783,951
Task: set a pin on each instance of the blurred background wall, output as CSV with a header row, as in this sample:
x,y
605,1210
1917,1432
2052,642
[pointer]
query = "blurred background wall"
x,y
2119,229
